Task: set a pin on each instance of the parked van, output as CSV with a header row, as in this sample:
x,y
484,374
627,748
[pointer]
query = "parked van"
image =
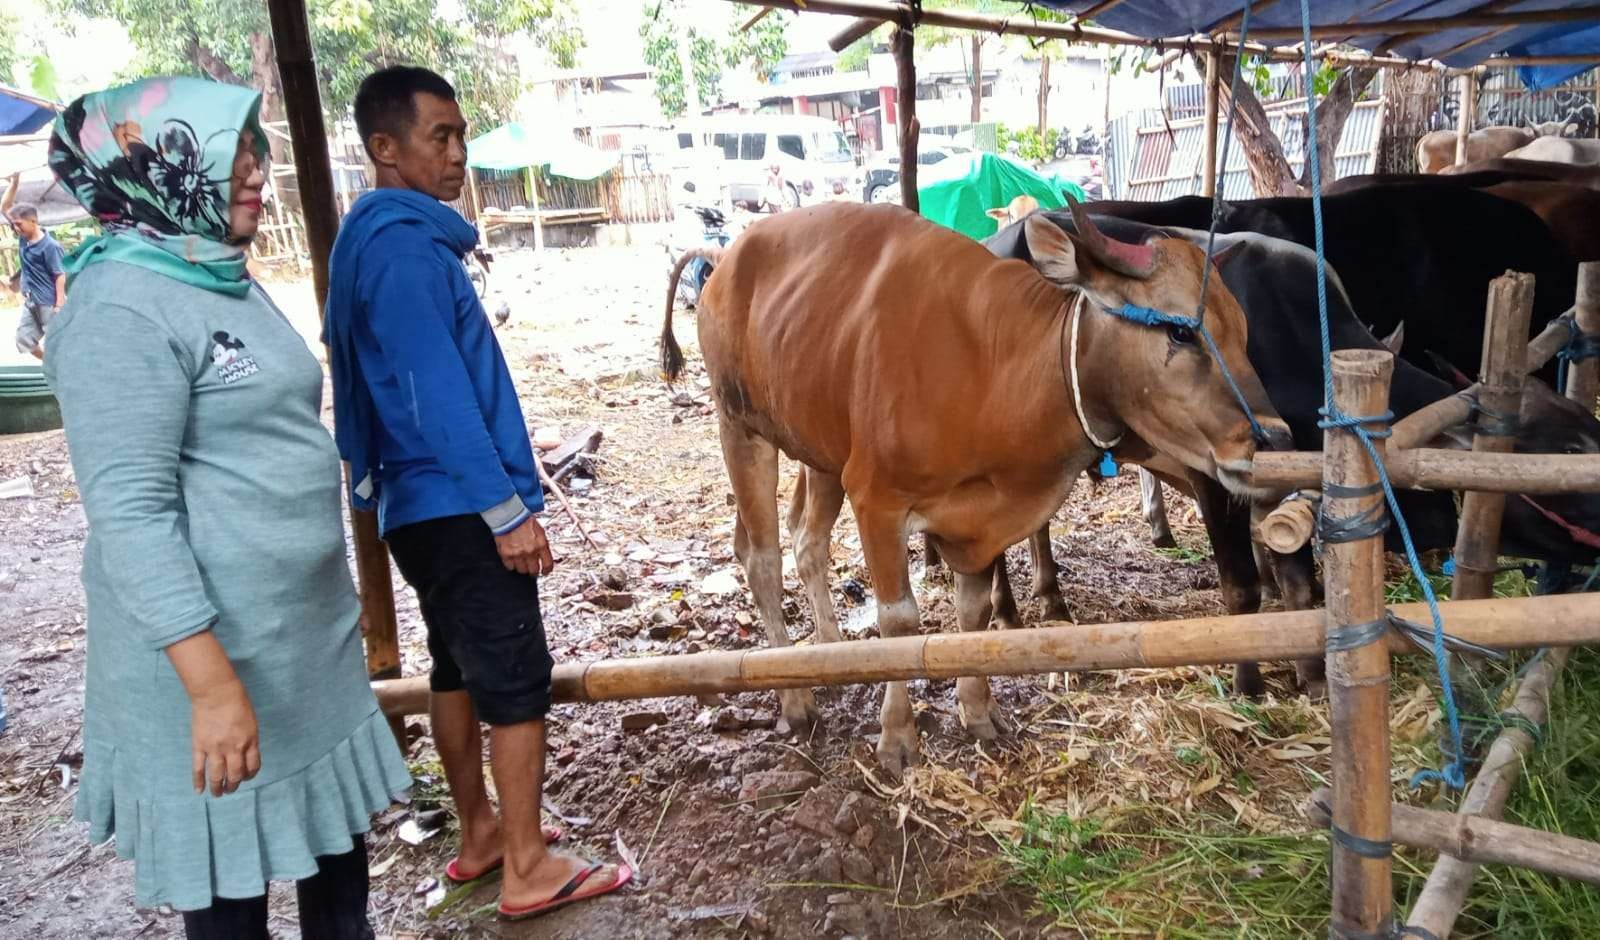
x,y
809,149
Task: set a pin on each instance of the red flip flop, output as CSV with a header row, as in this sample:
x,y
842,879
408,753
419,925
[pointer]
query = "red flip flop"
x,y
452,870
569,893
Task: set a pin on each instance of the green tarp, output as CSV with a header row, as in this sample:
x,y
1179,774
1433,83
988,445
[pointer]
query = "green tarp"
x,y
513,147
962,202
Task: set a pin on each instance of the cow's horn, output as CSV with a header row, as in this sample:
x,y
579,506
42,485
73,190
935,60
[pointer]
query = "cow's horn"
x,y
1133,260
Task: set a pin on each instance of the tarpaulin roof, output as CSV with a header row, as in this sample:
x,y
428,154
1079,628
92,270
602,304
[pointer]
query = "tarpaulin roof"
x,y
23,114
1458,47
512,147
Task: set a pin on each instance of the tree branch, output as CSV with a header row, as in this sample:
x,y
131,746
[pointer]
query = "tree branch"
x,y
1269,168
1331,114
210,63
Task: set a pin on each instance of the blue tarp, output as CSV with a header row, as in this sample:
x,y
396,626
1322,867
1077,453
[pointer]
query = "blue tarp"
x,y
1155,19
23,114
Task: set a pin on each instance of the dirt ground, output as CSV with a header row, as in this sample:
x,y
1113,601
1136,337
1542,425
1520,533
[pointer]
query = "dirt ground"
x,y
740,831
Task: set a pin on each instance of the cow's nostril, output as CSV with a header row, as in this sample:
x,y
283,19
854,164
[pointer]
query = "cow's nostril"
x,y
1276,438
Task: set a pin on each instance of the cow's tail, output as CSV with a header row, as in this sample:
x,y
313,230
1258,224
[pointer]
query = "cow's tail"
x,y
671,352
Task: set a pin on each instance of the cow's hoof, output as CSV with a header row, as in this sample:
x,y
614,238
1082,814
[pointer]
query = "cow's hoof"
x,y
1055,608
1008,620
800,712
898,749
1164,540
981,727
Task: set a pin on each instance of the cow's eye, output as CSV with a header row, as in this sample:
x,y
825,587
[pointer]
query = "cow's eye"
x,y
1180,334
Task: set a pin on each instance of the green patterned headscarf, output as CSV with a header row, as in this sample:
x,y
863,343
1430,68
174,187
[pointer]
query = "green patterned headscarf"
x,y
153,163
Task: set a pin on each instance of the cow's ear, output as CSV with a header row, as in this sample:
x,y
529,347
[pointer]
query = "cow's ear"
x,y
1055,255
1395,340
1221,258
999,215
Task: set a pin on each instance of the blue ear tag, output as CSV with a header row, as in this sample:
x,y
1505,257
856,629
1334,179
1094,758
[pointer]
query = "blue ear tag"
x,y
1108,465
1449,568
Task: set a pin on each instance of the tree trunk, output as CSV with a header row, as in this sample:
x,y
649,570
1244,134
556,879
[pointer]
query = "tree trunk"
x,y
977,78
1331,114
1044,94
1269,168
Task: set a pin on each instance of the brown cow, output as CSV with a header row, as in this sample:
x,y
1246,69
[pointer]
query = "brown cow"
x,y
1572,213
941,388
1507,170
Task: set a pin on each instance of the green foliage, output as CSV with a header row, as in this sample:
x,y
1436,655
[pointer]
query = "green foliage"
x,y
42,77
1031,145
710,51
351,38
854,57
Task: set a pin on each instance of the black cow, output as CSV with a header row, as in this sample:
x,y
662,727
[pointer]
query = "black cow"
x,y
1422,256
1274,282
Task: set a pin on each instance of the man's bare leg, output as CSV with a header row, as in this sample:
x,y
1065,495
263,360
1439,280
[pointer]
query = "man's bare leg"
x,y
532,873
459,740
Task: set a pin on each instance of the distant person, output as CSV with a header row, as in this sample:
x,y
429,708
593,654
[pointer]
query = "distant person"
x,y
43,276
230,736
427,417
837,193
775,196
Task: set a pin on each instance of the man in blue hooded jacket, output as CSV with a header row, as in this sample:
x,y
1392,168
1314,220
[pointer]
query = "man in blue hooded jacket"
x,y
429,422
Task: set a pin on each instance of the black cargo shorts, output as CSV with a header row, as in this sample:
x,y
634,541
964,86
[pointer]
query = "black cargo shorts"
x,y
484,630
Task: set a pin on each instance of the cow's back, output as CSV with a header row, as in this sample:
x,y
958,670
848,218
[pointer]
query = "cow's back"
x,y
1559,150
838,320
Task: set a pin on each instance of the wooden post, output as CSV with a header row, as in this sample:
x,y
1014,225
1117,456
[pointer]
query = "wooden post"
x,y
477,208
1505,351
1358,672
538,216
902,43
1583,377
1209,171
291,36
1468,114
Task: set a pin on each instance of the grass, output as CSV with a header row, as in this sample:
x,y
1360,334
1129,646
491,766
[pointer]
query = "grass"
x,y
1132,872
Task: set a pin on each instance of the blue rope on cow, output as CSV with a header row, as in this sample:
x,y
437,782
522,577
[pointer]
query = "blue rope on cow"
x,y
1146,316
1453,774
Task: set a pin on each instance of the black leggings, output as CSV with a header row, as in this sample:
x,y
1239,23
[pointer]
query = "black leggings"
x,y
333,905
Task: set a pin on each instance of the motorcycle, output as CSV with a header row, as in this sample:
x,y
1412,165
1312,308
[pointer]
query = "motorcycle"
x,y
713,231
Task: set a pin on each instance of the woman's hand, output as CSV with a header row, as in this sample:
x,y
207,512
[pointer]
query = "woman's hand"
x,y
223,734
222,727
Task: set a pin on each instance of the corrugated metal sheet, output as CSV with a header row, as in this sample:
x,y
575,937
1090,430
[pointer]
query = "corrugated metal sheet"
x,y
1165,164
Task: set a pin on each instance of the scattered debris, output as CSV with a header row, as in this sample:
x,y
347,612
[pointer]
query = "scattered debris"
x,y
17,488
634,722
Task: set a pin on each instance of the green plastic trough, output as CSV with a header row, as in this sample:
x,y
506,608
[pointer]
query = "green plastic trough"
x,y
26,404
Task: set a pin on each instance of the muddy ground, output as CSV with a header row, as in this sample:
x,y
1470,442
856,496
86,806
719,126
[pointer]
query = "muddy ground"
x,y
740,830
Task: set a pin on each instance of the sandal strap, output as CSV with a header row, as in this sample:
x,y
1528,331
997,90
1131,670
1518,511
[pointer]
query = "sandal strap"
x,y
577,881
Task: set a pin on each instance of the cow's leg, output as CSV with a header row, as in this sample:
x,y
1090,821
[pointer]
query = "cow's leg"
x,y
931,562
973,699
753,469
883,542
1001,599
1228,526
1047,575
1297,577
824,495
1154,506
1270,590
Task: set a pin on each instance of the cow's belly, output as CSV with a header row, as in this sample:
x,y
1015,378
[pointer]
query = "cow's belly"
x,y
976,521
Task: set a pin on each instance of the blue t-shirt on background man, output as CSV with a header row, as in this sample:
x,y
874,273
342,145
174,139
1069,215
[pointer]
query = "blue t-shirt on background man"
x,y
41,265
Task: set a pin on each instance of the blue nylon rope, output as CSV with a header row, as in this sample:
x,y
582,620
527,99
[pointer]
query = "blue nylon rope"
x,y
1453,774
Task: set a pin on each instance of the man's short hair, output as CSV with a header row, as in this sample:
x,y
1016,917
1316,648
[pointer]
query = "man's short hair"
x,y
386,101
25,210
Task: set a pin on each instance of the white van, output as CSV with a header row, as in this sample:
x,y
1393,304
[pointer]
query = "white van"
x,y
809,149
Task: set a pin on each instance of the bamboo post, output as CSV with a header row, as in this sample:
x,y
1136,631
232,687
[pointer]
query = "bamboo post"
x,y
1477,550
291,36
1479,840
1498,623
1427,468
1209,169
903,45
1468,113
1358,670
1583,378
538,216
1445,892
477,207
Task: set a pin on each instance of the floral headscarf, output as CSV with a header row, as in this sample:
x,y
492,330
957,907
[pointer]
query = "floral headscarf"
x,y
153,163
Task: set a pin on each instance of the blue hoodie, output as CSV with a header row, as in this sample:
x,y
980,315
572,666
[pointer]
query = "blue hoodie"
x,y
423,405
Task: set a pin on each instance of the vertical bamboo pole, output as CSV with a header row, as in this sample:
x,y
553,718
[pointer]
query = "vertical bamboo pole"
x,y
902,43
1469,113
1505,350
1209,169
1583,378
477,207
291,36
1358,677
538,216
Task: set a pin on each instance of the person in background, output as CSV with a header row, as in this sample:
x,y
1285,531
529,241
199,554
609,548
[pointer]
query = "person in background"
x,y
230,736
427,417
43,278
775,196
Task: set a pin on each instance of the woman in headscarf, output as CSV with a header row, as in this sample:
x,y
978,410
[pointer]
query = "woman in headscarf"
x,y
230,736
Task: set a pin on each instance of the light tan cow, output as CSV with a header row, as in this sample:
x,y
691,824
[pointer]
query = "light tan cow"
x,y
946,390
1015,211
1436,150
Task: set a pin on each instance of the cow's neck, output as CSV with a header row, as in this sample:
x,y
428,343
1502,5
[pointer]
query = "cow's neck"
x,y
1090,375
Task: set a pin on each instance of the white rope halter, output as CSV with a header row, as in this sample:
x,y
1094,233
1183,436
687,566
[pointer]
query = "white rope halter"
x,y
1077,397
